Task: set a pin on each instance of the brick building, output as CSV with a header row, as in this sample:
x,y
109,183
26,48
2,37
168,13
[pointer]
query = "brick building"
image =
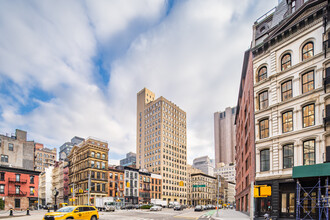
x,y
116,184
245,150
144,187
19,187
156,186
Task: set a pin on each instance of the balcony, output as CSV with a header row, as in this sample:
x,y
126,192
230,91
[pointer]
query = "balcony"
x,y
14,193
14,180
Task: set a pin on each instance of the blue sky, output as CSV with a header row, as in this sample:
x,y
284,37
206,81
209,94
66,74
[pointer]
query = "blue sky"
x,y
73,68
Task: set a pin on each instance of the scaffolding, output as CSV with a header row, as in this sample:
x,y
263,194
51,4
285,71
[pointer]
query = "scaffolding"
x,y
313,201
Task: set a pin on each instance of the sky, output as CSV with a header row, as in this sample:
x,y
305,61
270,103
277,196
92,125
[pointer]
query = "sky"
x,y
73,68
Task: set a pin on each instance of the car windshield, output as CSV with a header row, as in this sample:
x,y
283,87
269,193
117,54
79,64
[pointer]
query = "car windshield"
x,y
66,209
198,206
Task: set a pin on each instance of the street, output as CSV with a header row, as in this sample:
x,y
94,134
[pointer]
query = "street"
x,y
165,214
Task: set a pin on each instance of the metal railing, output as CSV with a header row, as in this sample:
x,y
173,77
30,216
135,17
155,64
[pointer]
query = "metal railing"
x,y
15,193
13,180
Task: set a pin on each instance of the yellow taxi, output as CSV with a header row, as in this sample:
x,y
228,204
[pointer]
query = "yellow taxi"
x,y
82,212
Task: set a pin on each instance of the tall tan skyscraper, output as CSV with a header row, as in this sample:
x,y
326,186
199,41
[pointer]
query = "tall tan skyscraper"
x,y
161,143
225,136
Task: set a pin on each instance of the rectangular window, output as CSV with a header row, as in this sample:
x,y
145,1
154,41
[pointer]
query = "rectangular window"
x,y
309,152
4,158
308,115
288,156
18,177
17,203
98,187
308,82
286,90
31,179
2,176
17,190
32,191
10,147
264,160
264,128
103,187
2,189
287,122
263,100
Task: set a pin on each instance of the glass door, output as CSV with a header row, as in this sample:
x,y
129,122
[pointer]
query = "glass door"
x,y
287,205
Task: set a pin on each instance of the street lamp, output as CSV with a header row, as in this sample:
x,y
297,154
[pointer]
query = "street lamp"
x,y
55,193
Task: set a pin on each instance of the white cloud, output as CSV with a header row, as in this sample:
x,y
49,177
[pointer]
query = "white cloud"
x,y
192,57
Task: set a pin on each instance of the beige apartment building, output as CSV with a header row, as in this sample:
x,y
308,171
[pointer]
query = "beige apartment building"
x,y
90,157
162,143
16,151
58,180
44,157
224,136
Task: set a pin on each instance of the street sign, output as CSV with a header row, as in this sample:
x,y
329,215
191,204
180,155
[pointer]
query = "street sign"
x,y
199,186
262,191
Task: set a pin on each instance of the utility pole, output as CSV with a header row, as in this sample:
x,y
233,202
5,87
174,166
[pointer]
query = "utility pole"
x,y
218,186
73,195
252,201
89,187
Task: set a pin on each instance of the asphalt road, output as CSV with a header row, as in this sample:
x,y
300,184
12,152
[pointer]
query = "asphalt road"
x,y
165,214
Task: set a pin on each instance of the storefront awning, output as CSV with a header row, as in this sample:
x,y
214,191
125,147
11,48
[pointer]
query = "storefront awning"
x,y
316,170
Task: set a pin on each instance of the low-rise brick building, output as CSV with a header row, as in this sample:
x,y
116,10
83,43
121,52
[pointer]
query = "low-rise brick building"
x,y
19,187
116,185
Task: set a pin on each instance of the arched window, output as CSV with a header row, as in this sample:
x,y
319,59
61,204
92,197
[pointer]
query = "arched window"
x,y
262,74
286,61
307,50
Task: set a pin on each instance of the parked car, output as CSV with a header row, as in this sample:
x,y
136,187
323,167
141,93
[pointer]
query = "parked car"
x,y
198,208
156,208
74,212
110,208
178,208
203,207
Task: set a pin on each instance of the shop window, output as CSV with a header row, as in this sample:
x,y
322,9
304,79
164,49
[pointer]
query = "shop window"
x,y
17,203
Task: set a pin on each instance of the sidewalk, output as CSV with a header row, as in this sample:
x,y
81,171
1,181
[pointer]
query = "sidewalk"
x,y
229,214
36,214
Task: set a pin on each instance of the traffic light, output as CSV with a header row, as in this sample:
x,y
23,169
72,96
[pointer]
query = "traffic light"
x,y
91,200
127,185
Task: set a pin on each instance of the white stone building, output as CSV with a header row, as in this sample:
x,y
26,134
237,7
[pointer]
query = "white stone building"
x,y
289,67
